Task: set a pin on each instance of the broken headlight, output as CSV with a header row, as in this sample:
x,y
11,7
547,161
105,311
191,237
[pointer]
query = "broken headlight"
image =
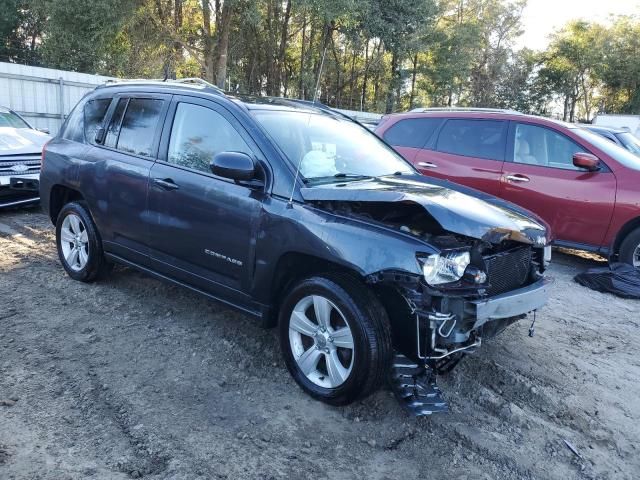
x,y
445,268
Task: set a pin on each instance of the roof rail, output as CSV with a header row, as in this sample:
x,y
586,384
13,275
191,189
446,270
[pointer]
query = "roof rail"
x,y
190,80
197,81
464,109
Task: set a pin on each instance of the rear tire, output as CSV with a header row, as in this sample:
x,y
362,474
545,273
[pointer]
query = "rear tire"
x,y
630,249
79,243
347,355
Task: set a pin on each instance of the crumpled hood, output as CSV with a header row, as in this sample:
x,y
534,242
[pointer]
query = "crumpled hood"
x,y
21,141
456,208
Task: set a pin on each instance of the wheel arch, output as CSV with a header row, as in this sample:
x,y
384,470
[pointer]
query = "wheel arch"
x,y
61,195
292,267
626,229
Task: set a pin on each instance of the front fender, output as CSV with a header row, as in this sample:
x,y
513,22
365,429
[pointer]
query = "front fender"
x,y
356,245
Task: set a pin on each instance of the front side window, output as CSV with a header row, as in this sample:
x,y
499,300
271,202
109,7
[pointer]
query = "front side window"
x,y
198,133
412,132
544,147
327,148
474,138
94,112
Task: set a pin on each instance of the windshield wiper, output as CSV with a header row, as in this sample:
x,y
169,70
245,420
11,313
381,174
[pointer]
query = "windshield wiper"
x,y
338,176
350,175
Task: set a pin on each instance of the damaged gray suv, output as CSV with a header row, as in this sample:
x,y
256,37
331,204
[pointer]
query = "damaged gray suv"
x,y
301,217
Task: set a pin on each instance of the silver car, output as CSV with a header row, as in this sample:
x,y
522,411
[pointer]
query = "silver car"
x,y
20,157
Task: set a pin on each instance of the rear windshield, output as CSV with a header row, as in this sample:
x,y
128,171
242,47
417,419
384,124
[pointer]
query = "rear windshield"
x,y
8,119
625,157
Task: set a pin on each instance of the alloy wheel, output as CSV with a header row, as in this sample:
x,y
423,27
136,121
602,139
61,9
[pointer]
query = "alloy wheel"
x,y
74,242
321,341
636,257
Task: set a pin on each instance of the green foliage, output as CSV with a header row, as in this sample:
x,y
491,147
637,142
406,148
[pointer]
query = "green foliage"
x,y
81,34
21,24
377,55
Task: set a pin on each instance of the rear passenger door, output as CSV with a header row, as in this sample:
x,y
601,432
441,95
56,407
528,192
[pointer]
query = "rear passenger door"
x,y
123,159
409,135
202,227
467,151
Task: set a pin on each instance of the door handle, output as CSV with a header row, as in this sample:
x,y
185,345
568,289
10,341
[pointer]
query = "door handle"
x,y
166,183
517,178
427,165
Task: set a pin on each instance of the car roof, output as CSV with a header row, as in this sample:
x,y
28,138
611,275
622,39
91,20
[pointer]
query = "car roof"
x,y
485,114
204,88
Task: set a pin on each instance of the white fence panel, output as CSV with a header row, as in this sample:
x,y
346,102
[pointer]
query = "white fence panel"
x,y
44,96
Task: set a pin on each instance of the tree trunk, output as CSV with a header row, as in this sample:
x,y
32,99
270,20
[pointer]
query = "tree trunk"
x,y
222,47
208,41
412,97
352,76
177,24
284,34
363,97
391,92
271,45
302,59
376,82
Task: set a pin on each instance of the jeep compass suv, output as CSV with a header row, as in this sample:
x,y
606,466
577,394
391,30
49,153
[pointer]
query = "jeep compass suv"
x,y
300,217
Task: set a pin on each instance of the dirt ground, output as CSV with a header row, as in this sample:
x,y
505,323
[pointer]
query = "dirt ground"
x,y
134,378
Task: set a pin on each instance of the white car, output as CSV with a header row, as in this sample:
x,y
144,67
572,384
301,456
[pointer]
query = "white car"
x,y
20,157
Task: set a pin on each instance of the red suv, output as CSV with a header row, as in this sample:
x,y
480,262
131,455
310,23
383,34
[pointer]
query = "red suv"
x,y
584,186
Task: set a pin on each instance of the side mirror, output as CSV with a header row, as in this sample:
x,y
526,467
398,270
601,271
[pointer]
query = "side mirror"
x,y
100,133
233,165
587,161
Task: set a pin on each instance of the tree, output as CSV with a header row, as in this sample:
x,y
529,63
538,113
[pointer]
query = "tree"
x,y
619,70
21,25
396,22
569,62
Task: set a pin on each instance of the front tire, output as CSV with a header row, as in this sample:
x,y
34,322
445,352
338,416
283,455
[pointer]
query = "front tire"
x,y
335,338
630,249
79,244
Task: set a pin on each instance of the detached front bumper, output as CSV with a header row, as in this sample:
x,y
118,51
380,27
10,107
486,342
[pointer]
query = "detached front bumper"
x,y
510,304
16,190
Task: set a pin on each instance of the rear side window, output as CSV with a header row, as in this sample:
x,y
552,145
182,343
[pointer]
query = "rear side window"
x,y
94,112
73,128
133,125
412,132
474,138
198,133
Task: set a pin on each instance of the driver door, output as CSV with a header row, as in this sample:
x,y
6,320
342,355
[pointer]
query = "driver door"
x,y
539,175
202,226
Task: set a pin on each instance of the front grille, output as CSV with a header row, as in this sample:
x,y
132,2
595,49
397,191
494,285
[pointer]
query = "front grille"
x,y
508,270
31,162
